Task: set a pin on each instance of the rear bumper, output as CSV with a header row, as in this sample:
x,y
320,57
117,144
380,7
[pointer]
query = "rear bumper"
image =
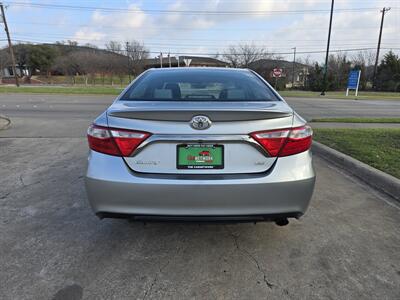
x,y
114,190
197,219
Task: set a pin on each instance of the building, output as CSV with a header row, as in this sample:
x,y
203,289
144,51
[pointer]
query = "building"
x,y
8,71
264,67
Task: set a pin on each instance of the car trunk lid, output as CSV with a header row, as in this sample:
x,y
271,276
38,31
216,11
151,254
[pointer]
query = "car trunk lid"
x,y
227,137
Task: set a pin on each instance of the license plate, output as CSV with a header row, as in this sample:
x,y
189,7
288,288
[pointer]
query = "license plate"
x,y
200,156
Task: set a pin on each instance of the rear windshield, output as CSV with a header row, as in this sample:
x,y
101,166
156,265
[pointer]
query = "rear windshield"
x,y
199,85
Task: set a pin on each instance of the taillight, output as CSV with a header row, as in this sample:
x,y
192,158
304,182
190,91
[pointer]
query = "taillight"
x,y
284,142
114,141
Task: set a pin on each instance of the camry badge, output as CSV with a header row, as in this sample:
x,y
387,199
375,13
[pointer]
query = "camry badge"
x,y
200,122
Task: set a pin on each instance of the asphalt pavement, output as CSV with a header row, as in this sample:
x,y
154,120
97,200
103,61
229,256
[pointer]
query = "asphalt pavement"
x,y
347,246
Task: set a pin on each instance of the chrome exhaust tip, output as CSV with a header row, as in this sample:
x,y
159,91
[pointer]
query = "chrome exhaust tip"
x,y
282,222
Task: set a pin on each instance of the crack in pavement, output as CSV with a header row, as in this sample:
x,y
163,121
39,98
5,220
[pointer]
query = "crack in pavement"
x,y
253,258
160,271
5,196
21,180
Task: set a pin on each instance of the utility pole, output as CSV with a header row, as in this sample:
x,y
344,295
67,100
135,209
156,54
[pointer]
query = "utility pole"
x,y
327,51
383,11
294,63
161,59
9,44
169,59
129,60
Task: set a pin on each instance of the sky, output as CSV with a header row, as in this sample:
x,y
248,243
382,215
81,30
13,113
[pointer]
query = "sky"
x,y
208,27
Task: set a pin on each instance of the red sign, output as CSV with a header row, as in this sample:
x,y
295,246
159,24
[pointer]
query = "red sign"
x,y
277,72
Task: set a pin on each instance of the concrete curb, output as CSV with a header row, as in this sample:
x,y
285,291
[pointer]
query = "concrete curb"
x,y
4,122
373,177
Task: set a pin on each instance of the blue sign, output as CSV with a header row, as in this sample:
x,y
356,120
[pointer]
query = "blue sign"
x,y
352,83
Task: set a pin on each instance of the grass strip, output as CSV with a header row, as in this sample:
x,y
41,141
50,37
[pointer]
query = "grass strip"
x,y
379,148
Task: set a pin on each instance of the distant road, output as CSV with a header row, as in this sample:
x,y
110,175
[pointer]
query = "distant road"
x,y
323,108
69,115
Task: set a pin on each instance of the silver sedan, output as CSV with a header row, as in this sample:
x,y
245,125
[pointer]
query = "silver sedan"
x,y
213,144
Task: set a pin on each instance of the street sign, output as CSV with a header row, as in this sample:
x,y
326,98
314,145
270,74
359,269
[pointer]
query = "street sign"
x,y
353,81
277,72
187,61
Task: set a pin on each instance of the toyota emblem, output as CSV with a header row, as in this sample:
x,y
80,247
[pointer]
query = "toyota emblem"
x,y
200,122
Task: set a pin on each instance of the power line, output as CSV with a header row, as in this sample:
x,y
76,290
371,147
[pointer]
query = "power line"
x,y
97,26
188,12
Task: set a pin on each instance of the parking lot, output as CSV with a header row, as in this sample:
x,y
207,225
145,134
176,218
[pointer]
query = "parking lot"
x,y
347,246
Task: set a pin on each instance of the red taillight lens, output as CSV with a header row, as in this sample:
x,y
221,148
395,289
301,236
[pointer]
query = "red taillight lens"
x,y
299,140
114,141
284,142
272,140
100,140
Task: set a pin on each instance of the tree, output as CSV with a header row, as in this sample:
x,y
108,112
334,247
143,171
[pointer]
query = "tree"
x,y
315,78
338,70
115,64
72,43
114,46
5,59
66,65
41,58
85,63
104,64
137,54
364,60
242,55
119,67
388,75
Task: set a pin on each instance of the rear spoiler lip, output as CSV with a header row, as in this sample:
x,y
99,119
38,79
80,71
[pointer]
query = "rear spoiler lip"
x,y
215,115
185,111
